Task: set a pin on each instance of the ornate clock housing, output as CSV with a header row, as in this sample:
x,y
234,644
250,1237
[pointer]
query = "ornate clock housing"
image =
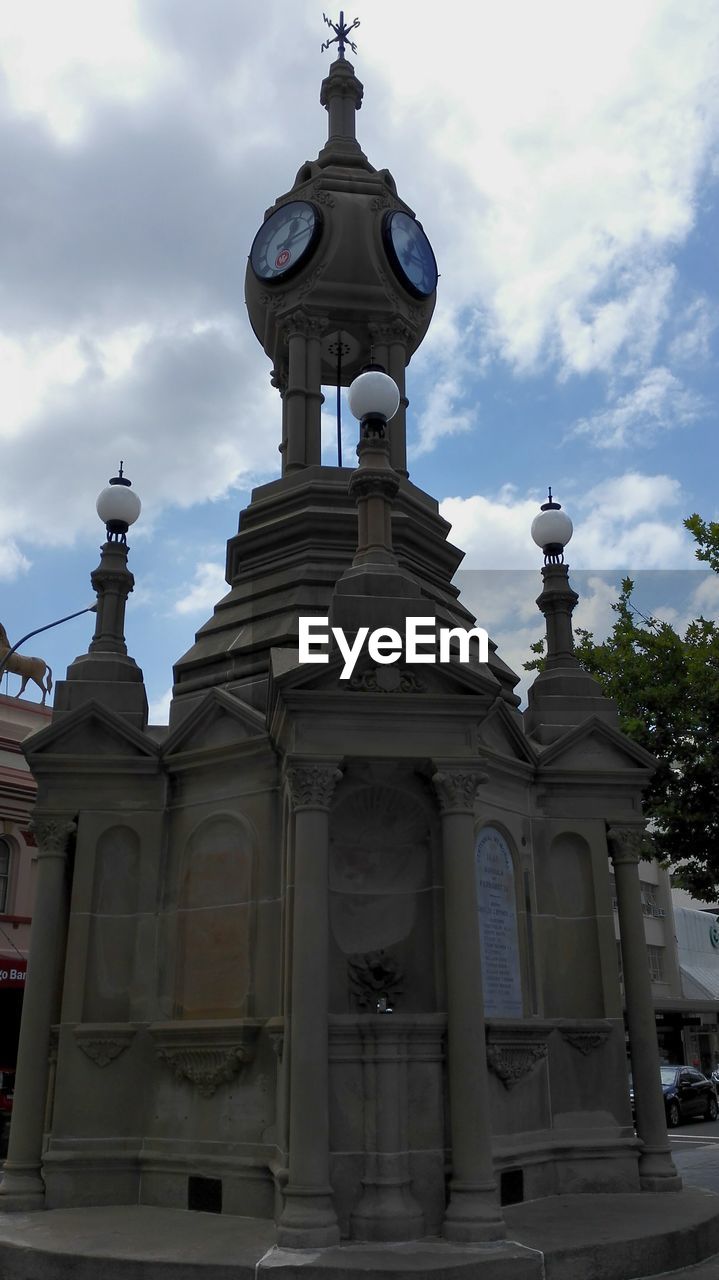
x,y
286,240
410,253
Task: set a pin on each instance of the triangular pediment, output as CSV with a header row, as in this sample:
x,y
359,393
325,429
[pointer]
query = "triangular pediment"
x,y
500,733
92,731
437,679
597,746
219,721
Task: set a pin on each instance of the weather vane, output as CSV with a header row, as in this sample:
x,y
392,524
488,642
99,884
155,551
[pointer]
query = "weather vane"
x,y
341,32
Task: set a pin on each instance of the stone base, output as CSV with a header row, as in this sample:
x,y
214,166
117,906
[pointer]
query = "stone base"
x,y
617,1237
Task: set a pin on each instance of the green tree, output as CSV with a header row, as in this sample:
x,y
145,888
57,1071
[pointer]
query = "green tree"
x,y
666,687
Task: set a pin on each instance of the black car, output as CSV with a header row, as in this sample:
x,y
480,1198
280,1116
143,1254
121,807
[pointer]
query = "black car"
x,y
686,1093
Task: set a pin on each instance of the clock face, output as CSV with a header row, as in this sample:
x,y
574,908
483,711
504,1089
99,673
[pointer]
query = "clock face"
x,y
410,253
285,241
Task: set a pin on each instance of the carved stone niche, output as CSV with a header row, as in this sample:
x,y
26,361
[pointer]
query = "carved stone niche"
x,y
207,1054
102,1042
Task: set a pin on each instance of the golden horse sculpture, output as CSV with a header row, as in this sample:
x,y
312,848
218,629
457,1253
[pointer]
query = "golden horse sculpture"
x,y
34,669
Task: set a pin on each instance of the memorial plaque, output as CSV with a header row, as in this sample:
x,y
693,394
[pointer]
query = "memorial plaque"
x,y
501,978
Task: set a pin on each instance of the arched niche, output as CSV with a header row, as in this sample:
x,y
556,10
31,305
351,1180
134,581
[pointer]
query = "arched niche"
x,y
113,926
571,961
498,924
216,916
384,899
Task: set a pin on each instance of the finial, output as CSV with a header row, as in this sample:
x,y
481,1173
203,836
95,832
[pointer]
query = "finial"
x,y
341,31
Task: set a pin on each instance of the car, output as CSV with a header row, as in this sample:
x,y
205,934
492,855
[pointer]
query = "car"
x,y
687,1093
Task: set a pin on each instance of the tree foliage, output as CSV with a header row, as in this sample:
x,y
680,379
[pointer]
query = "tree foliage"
x,y
666,687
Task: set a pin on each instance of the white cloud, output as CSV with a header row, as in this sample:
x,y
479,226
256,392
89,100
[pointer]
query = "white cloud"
x,y
12,561
59,59
159,709
658,402
696,326
632,521
570,167
207,587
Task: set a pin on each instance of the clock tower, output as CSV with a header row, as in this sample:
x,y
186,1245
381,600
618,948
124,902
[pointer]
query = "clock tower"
x,y
340,274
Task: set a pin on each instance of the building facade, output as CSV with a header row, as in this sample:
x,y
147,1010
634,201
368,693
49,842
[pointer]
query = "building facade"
x,y
18,867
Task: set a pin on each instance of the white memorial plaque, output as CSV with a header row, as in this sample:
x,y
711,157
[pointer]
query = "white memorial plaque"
x,y
501,979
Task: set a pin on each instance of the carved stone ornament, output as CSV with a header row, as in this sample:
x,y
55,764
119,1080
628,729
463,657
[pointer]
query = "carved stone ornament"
x,y
203,1067
512,1062
103,1042
396,330
456,789
101,1052
392,679
373,976
301,324
52,833
321,196
206,1053
627,844
585,1041
312,785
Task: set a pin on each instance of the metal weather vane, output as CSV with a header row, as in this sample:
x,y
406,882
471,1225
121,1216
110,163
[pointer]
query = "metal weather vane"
x,y
341,30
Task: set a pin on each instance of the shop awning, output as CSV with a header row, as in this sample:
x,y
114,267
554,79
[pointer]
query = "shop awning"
x,y
700,982
12,971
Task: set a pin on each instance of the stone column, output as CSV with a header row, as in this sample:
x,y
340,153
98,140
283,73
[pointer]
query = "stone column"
x,y
22,1185
308,1219
390,349
302,400
473,1212
656,1167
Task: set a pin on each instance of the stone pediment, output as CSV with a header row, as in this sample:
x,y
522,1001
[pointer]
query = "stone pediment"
x,y
92,731
453,679
220,721
501,733
596,746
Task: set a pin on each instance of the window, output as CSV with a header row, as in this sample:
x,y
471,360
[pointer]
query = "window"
x,y
4,873
619,962
650,905
613,891
656,963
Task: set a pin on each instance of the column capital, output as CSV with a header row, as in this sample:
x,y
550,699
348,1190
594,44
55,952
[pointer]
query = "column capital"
x,y
627,842
301,323
52,832
395,330
312,785
456,788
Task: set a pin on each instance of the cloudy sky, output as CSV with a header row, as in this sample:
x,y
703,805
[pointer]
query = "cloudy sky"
x,y
563,160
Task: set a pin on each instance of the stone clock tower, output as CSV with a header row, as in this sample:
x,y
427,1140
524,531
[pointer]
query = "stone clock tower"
x,y
335,955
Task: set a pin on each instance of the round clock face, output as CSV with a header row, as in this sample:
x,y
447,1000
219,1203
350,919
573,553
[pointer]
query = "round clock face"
x,y
410,253
285,241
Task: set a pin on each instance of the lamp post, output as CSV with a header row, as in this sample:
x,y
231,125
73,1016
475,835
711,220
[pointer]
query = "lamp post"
x,y
91,608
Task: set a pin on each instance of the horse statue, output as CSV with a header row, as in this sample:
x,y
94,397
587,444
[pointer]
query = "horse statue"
x,y
34,669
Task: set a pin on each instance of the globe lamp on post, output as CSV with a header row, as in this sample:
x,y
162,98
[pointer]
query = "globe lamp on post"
x,y
118,507
373,399
552,530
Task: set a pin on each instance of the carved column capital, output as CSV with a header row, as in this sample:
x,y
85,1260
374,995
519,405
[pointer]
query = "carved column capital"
x,y
311,786
52,832
301,323
457,788
396,330
626,843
